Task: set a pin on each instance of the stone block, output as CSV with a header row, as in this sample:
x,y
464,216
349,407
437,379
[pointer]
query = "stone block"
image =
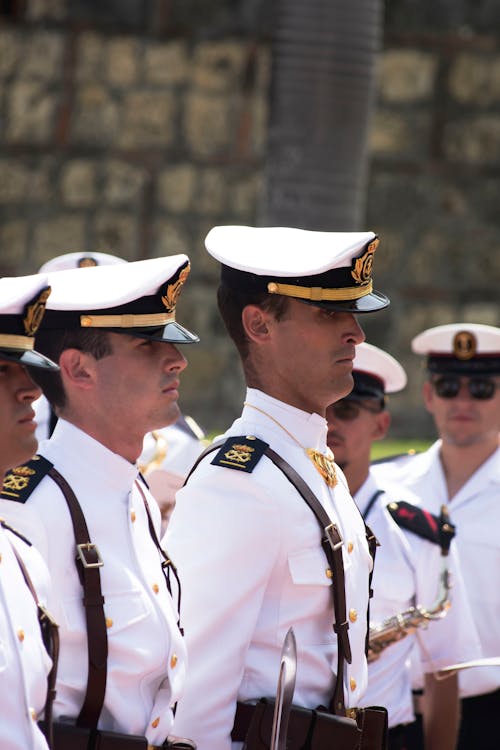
x,y
407,75
57,235
176,187
14,181
78,184
148,120
400,135
115,232
209,125
90,57
473,140
169,238
123,183
487,313
211,190
123,58
42,56
474,79
244,195
10,51
46,10
96,117
166,63
14,245
31,109
219,66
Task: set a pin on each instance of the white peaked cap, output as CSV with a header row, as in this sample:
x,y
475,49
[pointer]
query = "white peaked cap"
x,y
327,269
378,363
79,260
22,305
137,298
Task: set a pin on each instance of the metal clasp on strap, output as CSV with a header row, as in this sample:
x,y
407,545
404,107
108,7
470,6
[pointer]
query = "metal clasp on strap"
x,y
351,713
83,550
333,536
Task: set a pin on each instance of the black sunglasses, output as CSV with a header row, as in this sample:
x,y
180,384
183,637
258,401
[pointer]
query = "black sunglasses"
x,y
347,411
448,386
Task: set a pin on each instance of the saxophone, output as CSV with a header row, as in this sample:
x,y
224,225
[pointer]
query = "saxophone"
x,y
394,629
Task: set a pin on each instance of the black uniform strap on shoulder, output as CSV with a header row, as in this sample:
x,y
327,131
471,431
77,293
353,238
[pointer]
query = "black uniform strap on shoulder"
x,y
19,483
331,541
166,565
50,637
436,529
88,561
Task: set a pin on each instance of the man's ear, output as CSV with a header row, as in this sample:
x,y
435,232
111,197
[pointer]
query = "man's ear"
x,y
255,323
77,368
382,424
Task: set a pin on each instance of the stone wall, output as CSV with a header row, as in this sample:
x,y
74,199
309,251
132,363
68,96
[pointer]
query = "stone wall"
x,y
132,127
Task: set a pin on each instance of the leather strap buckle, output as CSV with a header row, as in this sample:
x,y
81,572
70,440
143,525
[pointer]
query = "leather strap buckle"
x,y
351,713
89,549
333,536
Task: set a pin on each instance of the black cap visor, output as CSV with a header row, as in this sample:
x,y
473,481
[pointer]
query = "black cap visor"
x,y
369,303
171,333
28,358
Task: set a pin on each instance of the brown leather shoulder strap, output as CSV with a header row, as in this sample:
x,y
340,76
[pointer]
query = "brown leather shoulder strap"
x,y
331,542
88,561
50,637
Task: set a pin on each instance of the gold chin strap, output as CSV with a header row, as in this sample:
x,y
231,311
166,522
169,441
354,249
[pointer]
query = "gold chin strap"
x,y
126,321
318,294
11,341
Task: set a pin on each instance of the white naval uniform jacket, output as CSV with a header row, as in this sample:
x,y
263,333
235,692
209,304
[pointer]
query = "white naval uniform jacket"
x,y
24,663
248,551
146,652
407,572
475,510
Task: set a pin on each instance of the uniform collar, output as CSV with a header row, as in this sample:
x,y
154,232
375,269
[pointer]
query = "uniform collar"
x,y
74,451
309,429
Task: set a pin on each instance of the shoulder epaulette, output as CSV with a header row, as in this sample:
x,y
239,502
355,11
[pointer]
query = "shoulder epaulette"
x,y
243,453
436,529
20,482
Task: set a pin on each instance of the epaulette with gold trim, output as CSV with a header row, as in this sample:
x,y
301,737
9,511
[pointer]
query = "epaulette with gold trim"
x,y
20,482
242,453
436,529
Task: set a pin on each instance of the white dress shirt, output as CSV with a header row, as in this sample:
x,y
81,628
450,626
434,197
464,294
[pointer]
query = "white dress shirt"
x,y
24,663
475,510
147,657
251,564
407,573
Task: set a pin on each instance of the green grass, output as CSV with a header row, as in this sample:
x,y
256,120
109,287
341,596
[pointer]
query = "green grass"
x,y
396,447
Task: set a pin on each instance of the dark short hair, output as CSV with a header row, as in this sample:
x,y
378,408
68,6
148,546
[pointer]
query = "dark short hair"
x,y
231,303
53,343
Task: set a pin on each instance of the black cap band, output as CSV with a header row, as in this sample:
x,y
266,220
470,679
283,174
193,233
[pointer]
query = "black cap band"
x,y
482,365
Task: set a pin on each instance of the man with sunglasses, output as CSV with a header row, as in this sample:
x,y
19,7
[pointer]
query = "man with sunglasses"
x,y
462,469
408,568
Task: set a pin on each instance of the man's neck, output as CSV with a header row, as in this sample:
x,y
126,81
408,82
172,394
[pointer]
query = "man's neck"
x,y
356,477
461,462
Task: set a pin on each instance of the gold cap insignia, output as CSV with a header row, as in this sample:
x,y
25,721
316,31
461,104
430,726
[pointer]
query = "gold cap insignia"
x,y
464,345
362,271
86,262
173,290
33,313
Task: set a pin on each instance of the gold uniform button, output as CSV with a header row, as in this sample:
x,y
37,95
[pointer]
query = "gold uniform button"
x,y
329,573
20,635
132,516
155,588
173,661
155,723
350,547
33,714
352,683
109,622
353,615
